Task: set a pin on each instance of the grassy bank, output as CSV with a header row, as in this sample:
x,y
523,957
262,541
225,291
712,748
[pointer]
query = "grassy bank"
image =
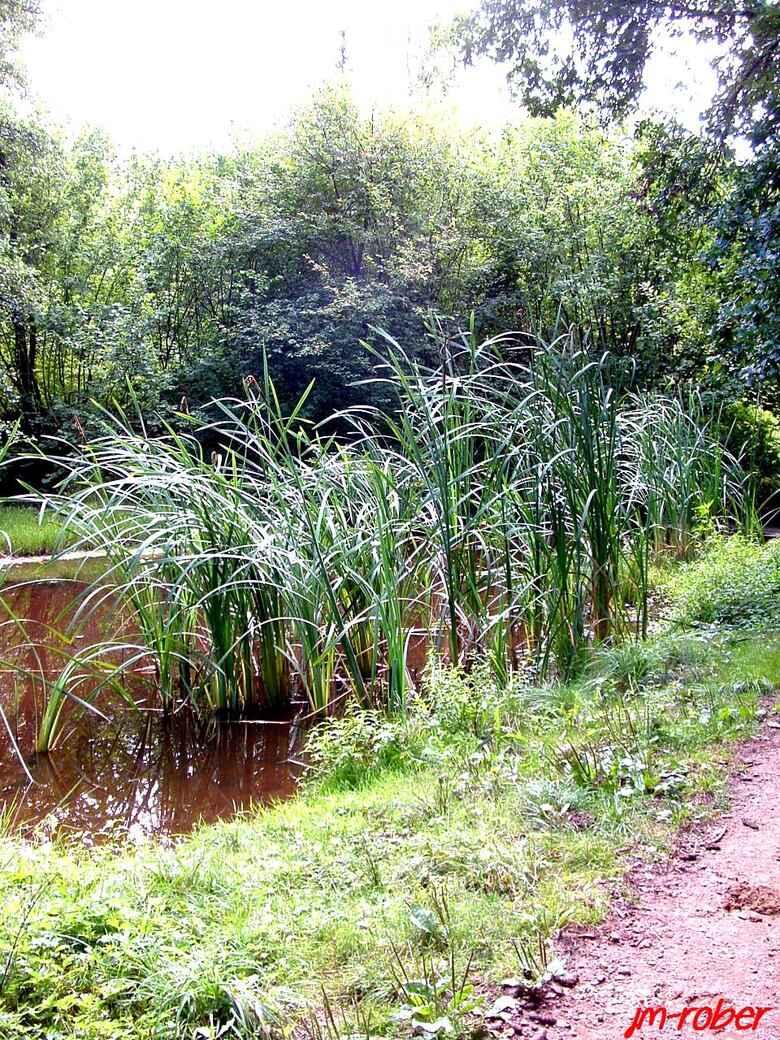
x,y
446,844
24,532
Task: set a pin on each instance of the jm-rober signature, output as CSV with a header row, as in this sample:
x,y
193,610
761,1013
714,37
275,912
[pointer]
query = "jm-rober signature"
x,y
699,1018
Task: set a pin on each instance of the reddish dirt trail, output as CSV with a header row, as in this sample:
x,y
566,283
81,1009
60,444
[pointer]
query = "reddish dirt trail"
x,y
703,927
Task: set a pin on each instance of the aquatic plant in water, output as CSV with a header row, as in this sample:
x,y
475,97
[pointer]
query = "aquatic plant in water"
x,y
510,504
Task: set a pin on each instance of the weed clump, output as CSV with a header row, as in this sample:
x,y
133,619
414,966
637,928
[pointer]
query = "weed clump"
x,y
735,583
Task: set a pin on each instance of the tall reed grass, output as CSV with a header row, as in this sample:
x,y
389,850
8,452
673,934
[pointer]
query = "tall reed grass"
x,y
509,506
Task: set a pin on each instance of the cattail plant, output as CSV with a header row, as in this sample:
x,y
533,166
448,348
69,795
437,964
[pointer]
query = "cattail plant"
x,y
510,503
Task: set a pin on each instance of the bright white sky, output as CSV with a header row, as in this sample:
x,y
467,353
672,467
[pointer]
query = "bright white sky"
x,y
177,75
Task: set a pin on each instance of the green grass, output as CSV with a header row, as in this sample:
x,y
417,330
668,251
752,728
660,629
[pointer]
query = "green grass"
x,y
455,835
26,533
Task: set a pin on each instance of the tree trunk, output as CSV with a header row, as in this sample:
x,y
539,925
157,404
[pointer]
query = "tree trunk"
x,y
25,357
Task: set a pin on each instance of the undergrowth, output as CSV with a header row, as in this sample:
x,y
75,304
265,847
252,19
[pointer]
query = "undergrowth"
x,y
734,583
425,855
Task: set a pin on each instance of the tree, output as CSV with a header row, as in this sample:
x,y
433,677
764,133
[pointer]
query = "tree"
x,y
746,255
343,223
720,282
586,52
683,180
17,17
560,235
28,169
63,266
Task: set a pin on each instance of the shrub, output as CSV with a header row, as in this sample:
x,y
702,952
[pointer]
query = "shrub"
x,y
455,715
735,583
348,750
467,703
754,436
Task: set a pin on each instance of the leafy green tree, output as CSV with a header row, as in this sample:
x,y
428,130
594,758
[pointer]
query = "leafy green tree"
x,y
185,278
60,264
159,280
746,255
32,182
17,17
583,52
714,247
347,223
683,180
559,234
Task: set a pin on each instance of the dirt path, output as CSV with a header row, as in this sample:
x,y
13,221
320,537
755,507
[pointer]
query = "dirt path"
x,y
702,928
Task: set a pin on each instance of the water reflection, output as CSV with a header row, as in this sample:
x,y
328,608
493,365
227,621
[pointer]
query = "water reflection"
x,y
131,773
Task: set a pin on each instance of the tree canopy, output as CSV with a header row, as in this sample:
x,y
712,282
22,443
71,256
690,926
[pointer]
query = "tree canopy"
x,y
582,52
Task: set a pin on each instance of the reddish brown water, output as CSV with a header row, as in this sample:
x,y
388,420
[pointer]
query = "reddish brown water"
x,y
131,773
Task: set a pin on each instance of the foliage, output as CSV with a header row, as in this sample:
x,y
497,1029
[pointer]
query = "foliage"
x,y
153,280
753,434
503,501
561,238
682,182
710,294
353,747
16,18
564,52
735,583
745,253
60,265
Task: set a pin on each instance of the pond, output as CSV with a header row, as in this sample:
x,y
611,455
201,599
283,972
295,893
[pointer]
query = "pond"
x,y
132,773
